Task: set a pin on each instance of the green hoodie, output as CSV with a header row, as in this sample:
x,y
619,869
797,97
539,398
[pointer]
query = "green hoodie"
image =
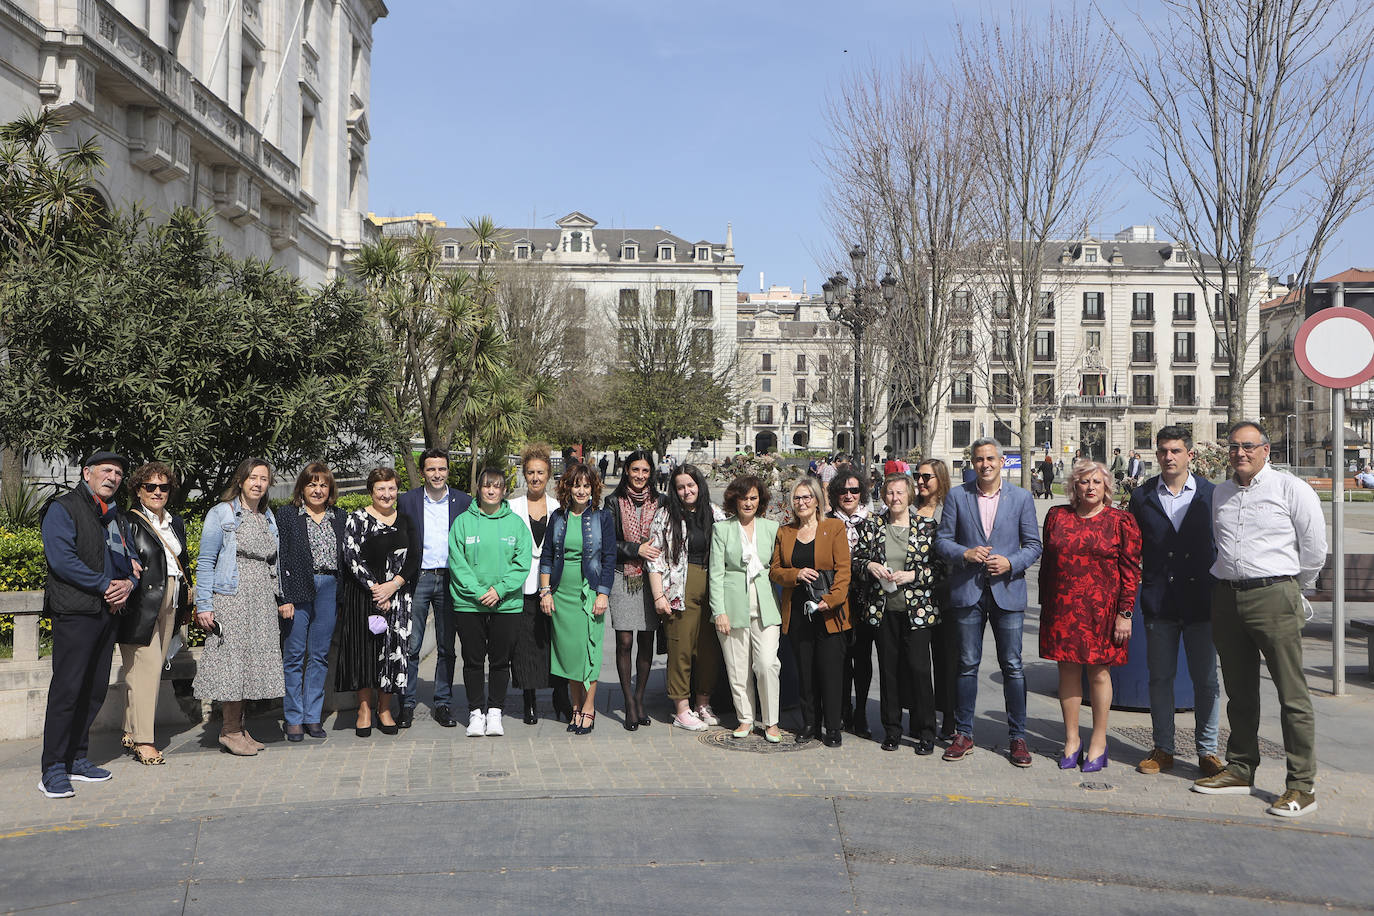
x,y
488,551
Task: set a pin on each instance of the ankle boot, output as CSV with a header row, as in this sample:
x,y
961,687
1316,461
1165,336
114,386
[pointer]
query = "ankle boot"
x,y
243,729
562,704
230,737
531,714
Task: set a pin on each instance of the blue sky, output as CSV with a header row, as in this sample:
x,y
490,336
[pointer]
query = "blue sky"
x,y
685,115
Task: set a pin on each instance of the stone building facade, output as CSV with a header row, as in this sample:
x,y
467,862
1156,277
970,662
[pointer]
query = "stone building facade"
x,y
253,109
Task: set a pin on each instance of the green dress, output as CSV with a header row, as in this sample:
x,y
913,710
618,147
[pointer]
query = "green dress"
x,y
576,650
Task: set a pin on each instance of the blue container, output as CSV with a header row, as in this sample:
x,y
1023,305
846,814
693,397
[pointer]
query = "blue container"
x,y
1131,681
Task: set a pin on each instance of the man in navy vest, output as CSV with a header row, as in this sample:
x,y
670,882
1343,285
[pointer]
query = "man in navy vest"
x,y
431,509
91,571
1174,512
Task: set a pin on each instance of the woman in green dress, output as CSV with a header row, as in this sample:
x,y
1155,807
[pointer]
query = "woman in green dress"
x,y
576,572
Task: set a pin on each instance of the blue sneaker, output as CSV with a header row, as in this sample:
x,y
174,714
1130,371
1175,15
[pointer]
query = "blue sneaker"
x,y
55,783
86,771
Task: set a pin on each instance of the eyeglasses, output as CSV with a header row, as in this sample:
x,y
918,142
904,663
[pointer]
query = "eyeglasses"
x,y
157,488
1246,447
803,498
925,478
853,491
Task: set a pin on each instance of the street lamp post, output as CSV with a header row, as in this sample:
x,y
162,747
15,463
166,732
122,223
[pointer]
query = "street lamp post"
x,y
854,309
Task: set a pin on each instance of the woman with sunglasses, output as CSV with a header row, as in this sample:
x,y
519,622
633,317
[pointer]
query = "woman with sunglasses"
x,y
808,546
160,604
932,486
849,502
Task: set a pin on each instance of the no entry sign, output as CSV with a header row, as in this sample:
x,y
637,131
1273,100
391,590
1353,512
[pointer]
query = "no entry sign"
x,y
1335,347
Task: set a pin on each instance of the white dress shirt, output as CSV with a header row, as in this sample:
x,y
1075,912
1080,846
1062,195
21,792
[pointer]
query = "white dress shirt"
x,y
435,554
1273,527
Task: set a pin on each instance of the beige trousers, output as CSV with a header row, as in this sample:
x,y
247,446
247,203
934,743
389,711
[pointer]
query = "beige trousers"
x,y
751,659
143,670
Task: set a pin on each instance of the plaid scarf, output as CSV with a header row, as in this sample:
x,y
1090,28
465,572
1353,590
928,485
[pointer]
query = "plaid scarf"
x,y
636,514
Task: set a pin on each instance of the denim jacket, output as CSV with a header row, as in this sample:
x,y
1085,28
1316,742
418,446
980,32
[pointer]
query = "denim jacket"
x,y
598,548
217,566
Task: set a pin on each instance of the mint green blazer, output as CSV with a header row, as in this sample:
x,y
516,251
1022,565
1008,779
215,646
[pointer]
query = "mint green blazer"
x,y
726,573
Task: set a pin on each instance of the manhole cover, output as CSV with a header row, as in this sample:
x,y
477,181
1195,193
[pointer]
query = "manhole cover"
x,y
1143,735
493,774
754,744
1096,786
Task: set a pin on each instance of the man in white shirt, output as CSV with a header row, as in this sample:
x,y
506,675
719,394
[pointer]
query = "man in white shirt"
x,y
1271,543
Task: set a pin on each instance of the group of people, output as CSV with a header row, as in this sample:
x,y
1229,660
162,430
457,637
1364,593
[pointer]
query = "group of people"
x,y
525,584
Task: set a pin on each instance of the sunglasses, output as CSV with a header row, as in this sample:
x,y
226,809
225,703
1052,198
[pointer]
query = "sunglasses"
x,y
157,488
925,478
853,491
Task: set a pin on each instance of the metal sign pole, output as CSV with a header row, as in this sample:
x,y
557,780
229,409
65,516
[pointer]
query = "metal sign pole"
x,y
1338,526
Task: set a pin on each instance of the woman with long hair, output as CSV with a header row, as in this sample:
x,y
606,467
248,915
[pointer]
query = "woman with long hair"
x,y
681,531
238,603
576,572
932,486
633,505
311,532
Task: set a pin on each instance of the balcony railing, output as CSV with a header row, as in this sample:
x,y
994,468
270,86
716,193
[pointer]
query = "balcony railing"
x,y
1184,359
1188,401
1096,401
1144,400
1142,357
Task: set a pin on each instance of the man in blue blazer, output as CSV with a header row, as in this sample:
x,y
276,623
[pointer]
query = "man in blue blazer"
x,y
431,509
989,537
1174,512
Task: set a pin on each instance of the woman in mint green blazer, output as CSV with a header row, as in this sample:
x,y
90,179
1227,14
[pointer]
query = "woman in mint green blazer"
x,y
747,619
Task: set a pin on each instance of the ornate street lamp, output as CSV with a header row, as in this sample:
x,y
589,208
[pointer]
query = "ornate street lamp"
x,y
856,309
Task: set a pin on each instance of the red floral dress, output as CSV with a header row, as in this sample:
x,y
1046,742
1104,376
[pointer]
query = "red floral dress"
x,y
1090,569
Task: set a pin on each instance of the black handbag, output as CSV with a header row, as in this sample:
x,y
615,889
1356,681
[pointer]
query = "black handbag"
x,y
819,587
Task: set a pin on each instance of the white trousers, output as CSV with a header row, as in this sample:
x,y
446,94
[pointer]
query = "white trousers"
x,y
751,660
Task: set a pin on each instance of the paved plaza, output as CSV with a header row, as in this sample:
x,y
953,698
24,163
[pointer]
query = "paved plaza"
x,y
670,822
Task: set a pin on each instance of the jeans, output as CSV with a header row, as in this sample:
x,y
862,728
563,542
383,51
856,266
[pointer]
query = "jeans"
x,y
1161,647
305,654
431,590
1006,631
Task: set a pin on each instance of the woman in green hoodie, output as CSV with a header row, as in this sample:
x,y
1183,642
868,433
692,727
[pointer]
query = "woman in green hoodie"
x,y
488,559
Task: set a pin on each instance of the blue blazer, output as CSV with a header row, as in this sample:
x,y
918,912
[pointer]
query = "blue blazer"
x,y
1015,535
1176,582
411,504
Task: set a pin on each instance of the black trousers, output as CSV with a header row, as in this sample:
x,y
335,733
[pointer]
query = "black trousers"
x,y
904,659
82,651
488,640
858,668
820,669
944,652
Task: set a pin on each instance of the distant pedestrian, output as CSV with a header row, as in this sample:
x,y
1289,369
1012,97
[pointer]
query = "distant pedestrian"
x,y
602,465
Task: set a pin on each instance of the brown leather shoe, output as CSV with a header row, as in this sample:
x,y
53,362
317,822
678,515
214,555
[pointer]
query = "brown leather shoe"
x,y
1158,762
1020,754
1210,765
959,748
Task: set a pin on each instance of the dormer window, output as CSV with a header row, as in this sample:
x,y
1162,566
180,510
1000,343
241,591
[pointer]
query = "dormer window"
x,y
448,251
1089,255
522,252
703,252
488,253
630,252
665,252
1180,256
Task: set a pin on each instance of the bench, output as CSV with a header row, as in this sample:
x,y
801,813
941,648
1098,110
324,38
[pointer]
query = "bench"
x,y
1352,486
1359,578
1365,628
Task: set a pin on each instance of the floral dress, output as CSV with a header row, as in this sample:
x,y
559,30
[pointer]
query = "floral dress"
x,y
375,552
1090,570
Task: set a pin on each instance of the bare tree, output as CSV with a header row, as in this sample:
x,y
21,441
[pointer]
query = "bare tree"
x,y
546,319
1040,97
902,186
832,402
1261,144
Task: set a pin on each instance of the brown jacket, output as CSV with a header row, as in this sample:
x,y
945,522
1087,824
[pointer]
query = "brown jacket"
x,y
832,552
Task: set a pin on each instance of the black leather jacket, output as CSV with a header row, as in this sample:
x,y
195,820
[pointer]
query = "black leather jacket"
x,y
138,620
626,550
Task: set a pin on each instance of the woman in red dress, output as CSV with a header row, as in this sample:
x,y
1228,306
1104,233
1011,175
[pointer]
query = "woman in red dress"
x,y
1089,574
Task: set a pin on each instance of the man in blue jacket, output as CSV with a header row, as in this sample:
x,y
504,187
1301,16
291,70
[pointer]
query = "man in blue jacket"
x,y
989,537
92,568
1174,512
432,508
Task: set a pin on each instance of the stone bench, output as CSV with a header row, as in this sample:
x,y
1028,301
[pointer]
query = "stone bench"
x,y
1365,628
1359,578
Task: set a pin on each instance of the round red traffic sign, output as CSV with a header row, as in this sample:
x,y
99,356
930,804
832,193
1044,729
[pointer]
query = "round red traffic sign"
x,y
1335,347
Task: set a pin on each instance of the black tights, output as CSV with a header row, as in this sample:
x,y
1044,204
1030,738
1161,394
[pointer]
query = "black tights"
x,y
624,647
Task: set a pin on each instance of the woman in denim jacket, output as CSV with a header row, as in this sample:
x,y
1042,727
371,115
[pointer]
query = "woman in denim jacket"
x,y
238,603
576,572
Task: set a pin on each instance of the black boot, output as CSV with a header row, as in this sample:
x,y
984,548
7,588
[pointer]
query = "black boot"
x,y
562,704
531,716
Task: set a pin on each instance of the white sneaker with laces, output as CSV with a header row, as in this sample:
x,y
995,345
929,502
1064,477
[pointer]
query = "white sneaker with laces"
x,y
494,729
477,724
689,721
705,714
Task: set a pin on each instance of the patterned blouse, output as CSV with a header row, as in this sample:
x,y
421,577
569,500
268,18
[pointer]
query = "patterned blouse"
x,y
919,594
324,546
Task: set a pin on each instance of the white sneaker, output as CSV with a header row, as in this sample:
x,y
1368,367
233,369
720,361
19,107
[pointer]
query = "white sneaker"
x,y
705,714
689,721
494,728
477,724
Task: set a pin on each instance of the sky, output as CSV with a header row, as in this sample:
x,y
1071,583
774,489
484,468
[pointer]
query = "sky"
x,y
680,115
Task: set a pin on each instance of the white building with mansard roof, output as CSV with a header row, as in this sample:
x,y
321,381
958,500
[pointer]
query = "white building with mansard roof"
x,y
253,109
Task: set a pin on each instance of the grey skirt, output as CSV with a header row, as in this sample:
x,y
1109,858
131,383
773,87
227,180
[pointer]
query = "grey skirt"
x,y
632,613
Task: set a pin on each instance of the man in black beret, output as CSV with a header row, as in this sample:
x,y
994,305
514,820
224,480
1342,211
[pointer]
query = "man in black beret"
x,y
92,568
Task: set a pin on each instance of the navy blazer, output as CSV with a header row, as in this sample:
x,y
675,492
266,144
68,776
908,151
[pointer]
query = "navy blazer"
x,y
412,505
295,563
1015,535
1176,583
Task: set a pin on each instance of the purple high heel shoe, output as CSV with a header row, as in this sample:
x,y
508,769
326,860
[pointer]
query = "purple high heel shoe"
x,y
1073,760
1096,764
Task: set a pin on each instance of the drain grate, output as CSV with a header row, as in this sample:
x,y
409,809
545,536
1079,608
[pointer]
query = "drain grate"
x,y
494,774
754,744
1143,735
